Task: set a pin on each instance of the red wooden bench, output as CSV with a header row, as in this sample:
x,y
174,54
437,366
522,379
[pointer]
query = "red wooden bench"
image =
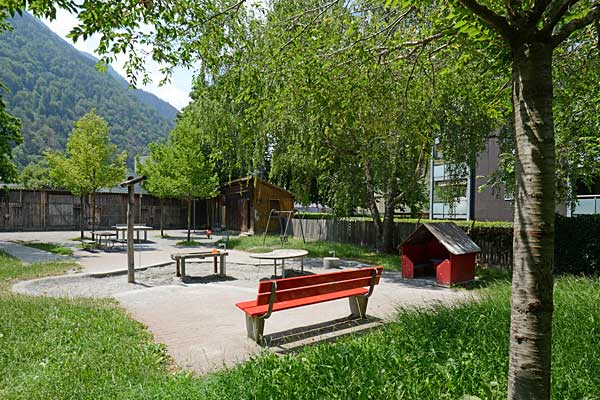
x,y
283,294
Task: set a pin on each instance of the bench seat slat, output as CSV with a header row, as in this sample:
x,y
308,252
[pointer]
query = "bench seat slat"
x,y
250,307
315,290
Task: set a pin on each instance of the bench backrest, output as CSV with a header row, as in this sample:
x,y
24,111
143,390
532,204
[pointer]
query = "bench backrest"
x,y
314,285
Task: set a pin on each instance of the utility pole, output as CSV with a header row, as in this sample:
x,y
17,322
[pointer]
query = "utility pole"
x,y
130,183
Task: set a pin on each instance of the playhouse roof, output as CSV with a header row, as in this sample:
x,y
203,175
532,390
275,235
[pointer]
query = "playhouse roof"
x,y
454,239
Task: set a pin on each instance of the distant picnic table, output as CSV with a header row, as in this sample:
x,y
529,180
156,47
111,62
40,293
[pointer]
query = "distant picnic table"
x,y
282,254
137,228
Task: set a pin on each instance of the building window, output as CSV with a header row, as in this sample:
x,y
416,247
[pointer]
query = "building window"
x,y
586,205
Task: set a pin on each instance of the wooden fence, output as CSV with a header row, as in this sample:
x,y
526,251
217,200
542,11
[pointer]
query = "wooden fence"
x,y
22,210
495,243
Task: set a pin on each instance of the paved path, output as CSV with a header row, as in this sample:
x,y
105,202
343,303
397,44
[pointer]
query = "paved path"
x,y
30,255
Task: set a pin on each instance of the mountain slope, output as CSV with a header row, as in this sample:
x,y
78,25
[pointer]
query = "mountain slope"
x,y
164,109
51,85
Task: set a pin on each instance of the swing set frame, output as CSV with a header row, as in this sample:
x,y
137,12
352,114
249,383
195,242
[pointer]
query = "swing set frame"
x,y
283,227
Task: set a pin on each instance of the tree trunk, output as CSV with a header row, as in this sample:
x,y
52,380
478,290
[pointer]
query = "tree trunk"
x,y
82,217
372,201
533,247
94,211
189,228
387,237
162,233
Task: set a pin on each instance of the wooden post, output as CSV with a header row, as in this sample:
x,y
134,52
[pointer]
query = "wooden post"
x,y
130,258
130,183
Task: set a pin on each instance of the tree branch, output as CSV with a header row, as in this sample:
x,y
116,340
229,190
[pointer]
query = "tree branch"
x,y
556,11
538,10
564,32
493,20
233,7
415,43
305,27
385,29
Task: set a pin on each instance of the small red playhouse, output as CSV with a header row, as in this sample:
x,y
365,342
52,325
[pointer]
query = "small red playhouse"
x,y
442,250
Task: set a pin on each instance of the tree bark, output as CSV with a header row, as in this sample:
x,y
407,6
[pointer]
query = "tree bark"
x,y
387,238
189,220
533,246
82,217
94,211
372,202
162,233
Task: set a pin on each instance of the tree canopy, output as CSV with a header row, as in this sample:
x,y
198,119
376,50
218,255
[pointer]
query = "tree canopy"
x,y
10,135
91,162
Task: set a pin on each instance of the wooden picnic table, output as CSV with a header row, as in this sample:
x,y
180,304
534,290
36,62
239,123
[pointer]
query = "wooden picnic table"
x,y
180,258
137,228
282,254
97,236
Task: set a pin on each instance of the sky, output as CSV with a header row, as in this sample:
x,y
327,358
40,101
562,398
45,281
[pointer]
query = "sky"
x,y
176,92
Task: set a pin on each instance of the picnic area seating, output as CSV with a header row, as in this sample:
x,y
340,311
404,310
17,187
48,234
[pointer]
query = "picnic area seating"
x,y
205,232
180,258
121,242
283,294
87,244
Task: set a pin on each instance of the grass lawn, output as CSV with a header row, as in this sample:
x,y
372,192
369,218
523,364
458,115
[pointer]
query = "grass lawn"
x,y
51,247
90,349
254,244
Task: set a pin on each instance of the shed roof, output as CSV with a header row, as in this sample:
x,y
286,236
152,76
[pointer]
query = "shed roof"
x,y
454,239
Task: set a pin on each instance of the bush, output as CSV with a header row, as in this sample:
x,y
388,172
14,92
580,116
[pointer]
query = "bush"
x,y
577,245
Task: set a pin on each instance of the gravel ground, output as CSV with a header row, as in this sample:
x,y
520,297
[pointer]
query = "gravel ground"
x,y
198,273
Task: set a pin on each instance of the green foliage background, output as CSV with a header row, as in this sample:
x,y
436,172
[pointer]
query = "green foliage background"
x,y
51,85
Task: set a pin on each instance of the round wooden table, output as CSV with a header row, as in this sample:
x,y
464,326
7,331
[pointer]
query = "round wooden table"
x,y
282,254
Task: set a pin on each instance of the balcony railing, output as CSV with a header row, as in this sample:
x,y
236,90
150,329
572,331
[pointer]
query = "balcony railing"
x,y
587,204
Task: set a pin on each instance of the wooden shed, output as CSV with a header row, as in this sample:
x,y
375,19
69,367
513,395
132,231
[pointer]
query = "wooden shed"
x,y
442,250
248,202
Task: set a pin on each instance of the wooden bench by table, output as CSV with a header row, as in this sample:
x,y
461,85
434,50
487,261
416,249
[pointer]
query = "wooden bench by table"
x,y
206,232
88,244
122,242
181,257
286,293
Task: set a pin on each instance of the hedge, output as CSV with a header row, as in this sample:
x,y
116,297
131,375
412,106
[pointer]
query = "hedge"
x,y
577,245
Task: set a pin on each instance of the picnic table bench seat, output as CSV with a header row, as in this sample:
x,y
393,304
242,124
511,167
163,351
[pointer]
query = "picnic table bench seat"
x,y
87,243
122,242
287,293
205,232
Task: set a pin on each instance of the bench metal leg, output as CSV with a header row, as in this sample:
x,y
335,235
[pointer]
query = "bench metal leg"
x,y
177,268
215,264
182,268
255,327
358,306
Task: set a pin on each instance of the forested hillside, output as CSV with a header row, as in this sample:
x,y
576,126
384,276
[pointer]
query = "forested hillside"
x,y
51,85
